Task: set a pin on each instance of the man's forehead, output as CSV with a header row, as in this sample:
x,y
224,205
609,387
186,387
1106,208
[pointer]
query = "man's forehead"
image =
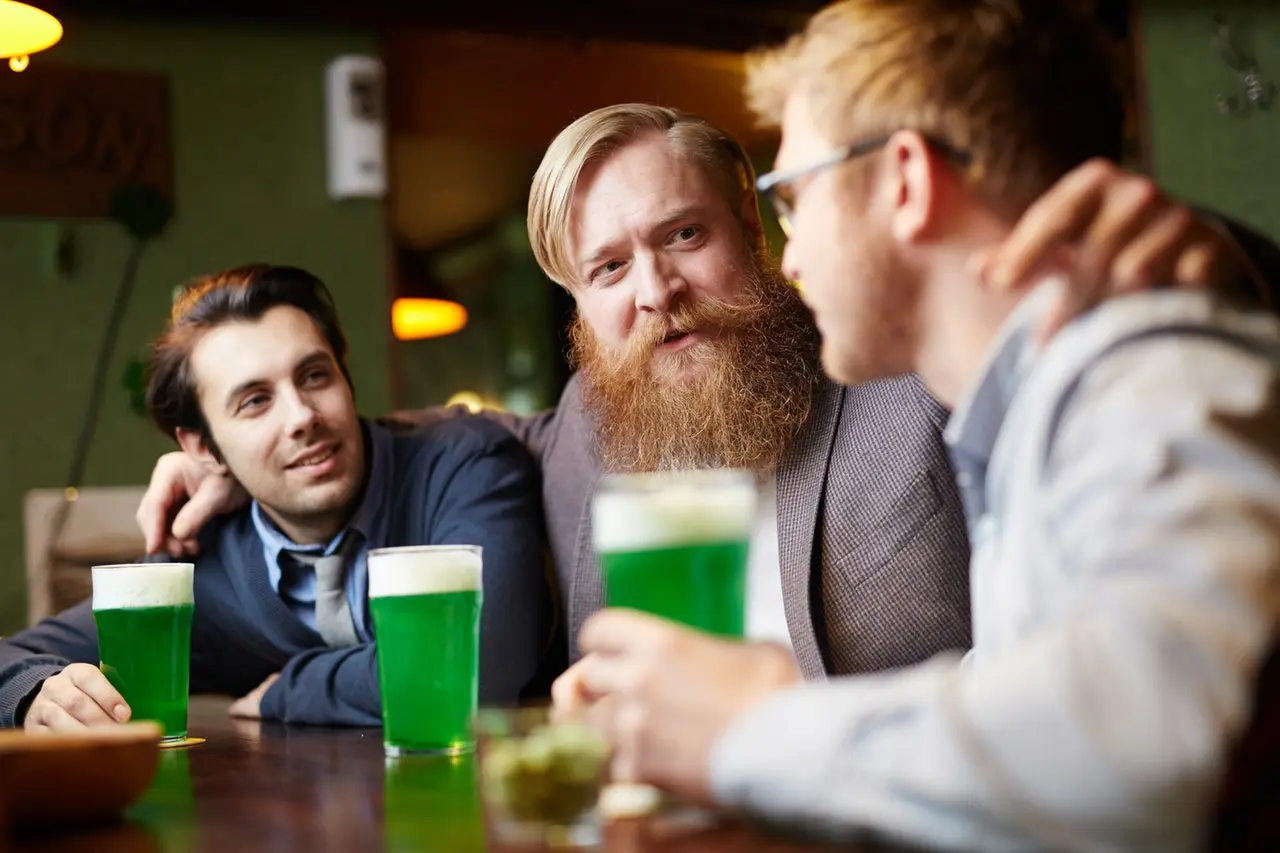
x,y
801,140
641,184
243,349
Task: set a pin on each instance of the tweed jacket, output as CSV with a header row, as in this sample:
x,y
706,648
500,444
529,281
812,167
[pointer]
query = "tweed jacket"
x,y
872,544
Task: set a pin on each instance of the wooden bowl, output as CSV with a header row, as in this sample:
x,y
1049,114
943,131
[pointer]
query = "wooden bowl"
x,y
74,777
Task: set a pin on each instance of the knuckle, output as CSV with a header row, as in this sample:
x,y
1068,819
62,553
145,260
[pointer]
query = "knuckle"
x,y
1098,168
1181,219
1143,193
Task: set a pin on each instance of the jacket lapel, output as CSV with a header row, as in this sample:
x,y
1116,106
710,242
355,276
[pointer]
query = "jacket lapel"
x,y
586,594
802,477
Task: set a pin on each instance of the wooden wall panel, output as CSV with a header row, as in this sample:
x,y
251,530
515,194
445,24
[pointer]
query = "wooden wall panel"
x,y
521,92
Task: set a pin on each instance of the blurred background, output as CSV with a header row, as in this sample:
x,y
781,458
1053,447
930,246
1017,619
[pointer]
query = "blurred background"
x,y
226,108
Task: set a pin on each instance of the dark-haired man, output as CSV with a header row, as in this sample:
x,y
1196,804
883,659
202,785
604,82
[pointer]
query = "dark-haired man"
x,y
250,377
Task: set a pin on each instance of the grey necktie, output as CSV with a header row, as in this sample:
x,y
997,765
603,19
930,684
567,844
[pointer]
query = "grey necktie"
x,y
333,611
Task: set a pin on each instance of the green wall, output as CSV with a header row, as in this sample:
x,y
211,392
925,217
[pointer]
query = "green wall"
x,y
248,142
1228,163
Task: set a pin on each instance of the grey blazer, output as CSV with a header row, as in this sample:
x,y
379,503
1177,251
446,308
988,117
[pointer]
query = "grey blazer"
x,y
871,536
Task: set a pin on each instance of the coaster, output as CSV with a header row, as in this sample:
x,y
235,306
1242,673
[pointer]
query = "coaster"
x,y
184,743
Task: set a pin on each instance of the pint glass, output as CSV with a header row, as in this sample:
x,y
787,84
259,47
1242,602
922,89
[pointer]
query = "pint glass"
x,y
143,612
426,617
675,544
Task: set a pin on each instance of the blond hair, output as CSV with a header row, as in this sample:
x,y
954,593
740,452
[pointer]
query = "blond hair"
x,y
1026,87
593,137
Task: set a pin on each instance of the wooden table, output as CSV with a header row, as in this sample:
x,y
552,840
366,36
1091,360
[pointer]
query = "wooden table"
x,y
269,787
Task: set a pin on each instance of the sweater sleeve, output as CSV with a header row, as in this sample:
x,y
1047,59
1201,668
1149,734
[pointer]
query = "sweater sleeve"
x,y
334,687
29,657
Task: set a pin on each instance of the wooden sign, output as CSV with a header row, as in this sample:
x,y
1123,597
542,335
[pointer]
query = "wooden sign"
x,y
70,135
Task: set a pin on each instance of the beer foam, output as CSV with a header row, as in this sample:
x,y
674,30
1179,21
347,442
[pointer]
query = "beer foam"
x,y
423,570
671,510
134,585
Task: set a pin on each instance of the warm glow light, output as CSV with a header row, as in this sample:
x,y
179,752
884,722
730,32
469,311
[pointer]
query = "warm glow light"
x,y
473,401
414,319
19,63
25,30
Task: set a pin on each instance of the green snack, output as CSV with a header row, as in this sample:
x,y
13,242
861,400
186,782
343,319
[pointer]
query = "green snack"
x,y
551,775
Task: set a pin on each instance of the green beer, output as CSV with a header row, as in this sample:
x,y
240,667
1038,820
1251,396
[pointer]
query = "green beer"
x,y
675,545
143,613
426,616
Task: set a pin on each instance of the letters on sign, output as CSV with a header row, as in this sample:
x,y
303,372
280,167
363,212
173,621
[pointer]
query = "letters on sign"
x,y
70,135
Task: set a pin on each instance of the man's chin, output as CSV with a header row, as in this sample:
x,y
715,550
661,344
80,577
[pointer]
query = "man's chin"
x,y
680,367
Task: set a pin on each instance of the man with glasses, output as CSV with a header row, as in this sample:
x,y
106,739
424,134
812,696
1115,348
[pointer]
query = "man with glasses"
x,y
693,351
1121,482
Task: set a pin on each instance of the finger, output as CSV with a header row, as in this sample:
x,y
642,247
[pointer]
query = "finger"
x,y
93,684
1126,210
1150,259
566,691
601,716
616,630
163,494
153,519
181,547
209,498
1055,219
54,718
1076,294
66,695
1202,264
605,676
629,724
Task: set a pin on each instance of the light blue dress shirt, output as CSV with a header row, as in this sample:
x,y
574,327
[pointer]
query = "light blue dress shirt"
x,y
295,582
1122,490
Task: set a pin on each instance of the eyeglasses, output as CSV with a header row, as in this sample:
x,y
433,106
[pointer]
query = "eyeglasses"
x,y
779,187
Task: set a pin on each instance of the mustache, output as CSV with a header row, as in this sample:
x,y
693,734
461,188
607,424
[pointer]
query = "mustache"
x,y
706,312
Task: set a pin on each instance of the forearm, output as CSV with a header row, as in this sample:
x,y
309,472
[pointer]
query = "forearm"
x,y
1083,739
31,656
334,687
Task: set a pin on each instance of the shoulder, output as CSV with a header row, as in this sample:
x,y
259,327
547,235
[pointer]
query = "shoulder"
x,y
1169,347
455,442
1177,319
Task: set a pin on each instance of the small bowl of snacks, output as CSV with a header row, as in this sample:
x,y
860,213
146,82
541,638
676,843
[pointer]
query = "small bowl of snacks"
x,y
541,776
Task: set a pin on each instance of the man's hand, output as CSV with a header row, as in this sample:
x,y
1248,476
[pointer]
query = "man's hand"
x,y
663,694
568,694
249,706
76,698
1111,231
181,481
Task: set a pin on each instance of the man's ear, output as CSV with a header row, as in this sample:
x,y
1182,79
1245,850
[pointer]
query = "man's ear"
x,y
912,170
750,213
193,444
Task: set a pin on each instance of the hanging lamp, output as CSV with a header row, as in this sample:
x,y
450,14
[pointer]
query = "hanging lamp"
x,y
25,30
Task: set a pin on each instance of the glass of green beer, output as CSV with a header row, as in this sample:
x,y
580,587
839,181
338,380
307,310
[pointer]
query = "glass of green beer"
x,y
143,613
675,544
426,604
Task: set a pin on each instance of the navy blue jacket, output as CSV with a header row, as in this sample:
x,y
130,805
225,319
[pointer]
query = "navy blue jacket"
x,y
462,481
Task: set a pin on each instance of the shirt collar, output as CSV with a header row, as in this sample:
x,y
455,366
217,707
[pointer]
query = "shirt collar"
x,y
377,442
975,424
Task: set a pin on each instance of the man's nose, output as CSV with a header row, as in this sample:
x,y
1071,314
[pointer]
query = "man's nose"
x,y
301,414
659,286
